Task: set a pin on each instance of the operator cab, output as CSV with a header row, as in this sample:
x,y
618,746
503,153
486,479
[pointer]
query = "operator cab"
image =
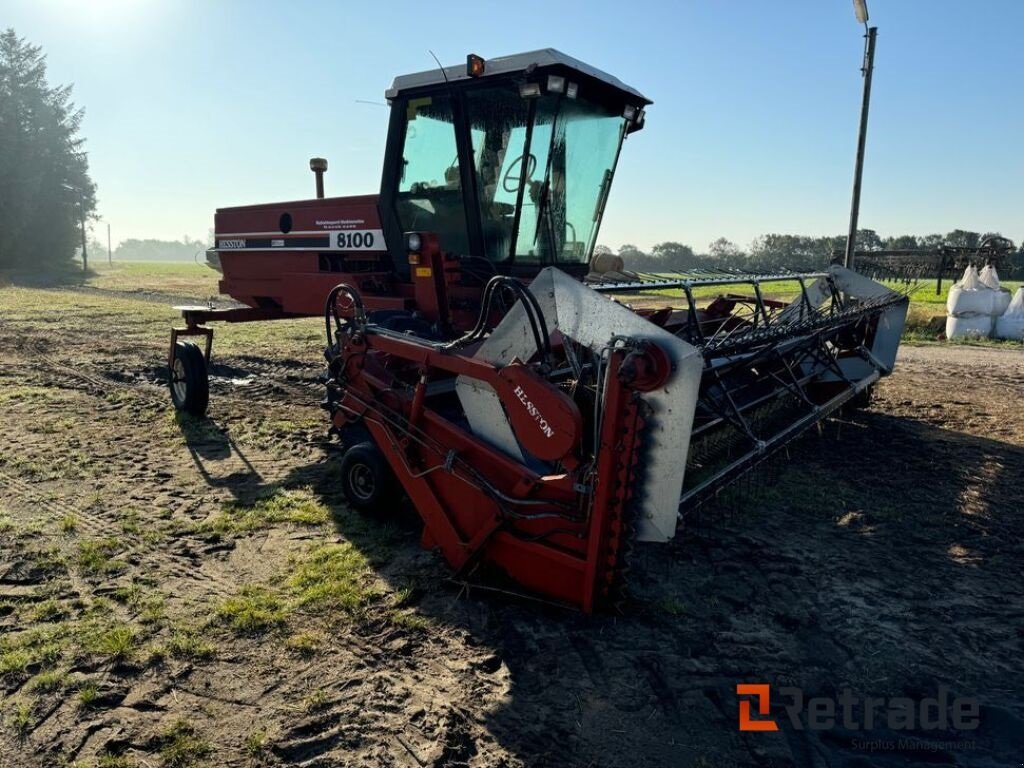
x,y
508,161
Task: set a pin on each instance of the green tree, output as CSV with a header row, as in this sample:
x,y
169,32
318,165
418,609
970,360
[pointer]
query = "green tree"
x,y
961,238
672,255
900,243
725,251
45,189
868,240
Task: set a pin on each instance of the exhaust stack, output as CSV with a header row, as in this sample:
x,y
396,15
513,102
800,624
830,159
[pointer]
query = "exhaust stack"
x,y
318,165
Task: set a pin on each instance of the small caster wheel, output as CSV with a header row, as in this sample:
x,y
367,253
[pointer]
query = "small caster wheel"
x,y
190,386
366,479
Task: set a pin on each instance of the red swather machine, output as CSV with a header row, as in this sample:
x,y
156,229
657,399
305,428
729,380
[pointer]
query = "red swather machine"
x,y
538,425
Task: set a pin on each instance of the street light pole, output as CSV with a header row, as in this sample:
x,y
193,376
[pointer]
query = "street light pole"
x,y
866,70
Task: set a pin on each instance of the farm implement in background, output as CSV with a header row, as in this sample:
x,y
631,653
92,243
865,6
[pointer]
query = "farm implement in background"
x,y
539,425
943,262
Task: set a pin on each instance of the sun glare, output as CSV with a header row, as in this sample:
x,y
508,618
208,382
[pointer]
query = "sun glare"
x,y
106,14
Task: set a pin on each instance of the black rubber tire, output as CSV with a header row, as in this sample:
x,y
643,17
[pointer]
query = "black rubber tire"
x,y
189,382
366,479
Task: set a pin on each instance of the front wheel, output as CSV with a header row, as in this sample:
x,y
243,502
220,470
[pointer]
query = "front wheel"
x,y
366,479
190,385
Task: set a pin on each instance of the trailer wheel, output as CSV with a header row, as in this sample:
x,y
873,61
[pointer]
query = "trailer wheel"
x,y
190,386
366,478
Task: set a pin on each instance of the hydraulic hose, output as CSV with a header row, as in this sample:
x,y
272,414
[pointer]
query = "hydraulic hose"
x,y
331,310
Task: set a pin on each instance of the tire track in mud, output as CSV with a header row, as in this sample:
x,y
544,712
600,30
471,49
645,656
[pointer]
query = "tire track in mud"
x,y
269,375
96,382
271,379
187,562
95,524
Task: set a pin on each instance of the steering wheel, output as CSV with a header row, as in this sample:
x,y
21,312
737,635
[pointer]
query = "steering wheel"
x,y
510,181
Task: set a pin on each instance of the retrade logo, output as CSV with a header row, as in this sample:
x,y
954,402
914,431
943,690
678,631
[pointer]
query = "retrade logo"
x,y
941,712
762,692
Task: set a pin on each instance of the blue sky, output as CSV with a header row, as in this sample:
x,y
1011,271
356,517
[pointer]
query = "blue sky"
x,y
193,105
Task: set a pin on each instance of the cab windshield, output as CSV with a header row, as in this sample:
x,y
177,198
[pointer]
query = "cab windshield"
x,y
543,166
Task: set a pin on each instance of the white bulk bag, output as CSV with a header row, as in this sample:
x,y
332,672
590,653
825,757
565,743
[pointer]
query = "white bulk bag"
x,y
1002,303
1011,324
971,326
990,277
970,296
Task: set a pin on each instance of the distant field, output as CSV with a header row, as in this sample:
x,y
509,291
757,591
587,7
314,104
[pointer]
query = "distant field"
x,y
198,282
196,279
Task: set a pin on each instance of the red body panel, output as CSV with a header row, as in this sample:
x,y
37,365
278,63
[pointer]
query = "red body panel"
x,y
294,270
307,215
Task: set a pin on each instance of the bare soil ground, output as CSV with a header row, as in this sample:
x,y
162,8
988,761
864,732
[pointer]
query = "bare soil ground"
x,y
197,593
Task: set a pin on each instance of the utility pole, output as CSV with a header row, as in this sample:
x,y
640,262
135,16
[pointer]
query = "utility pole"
x,y
110,253
866,69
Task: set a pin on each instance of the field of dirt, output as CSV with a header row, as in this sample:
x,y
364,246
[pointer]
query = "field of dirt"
x,y
177,593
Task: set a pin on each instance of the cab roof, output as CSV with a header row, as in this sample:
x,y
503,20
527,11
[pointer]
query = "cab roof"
x,y
503,65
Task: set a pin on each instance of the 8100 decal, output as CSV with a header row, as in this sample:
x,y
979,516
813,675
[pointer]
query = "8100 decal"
x,y
358,240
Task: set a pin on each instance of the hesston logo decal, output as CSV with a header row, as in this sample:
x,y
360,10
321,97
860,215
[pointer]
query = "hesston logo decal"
x,y
762,691
532,410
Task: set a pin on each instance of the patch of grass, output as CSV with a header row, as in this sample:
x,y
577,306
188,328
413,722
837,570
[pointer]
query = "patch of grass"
x,y
410,620
181,746
254,609
151,609
62,424
672,606
305,643
42,646
50,560
22,719
155,654
88,693
69,523
25,393
6,524
14,660
149,605
117,642
256,743
50,680
48,610
96,556
315,701
297,507
131,523
129,594
189,645
333,577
